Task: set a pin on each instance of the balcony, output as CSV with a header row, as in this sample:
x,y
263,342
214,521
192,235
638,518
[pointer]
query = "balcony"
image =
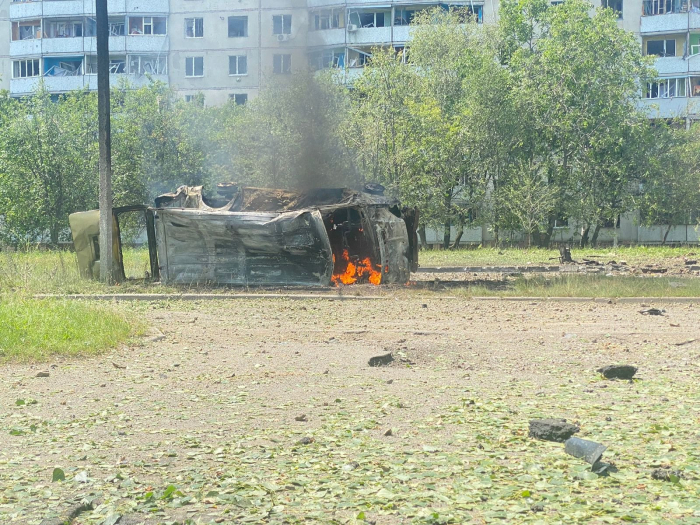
x,y
326,37
369,35
25,86
401,33
671,66
20,48
668,23
670,107
60,8
146,44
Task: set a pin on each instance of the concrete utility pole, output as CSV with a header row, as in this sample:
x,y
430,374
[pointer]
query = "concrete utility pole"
x,y
107,273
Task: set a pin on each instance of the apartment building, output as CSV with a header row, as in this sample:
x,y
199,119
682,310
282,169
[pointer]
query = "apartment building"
x,y
228,50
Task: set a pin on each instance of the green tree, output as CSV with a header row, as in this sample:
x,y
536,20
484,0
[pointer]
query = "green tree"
x,y
48,161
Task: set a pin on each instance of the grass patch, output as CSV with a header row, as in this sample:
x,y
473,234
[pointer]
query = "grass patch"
x,y
587,286
34,330
633,255
40,271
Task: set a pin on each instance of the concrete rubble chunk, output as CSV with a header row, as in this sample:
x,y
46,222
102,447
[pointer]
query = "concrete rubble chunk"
x,y
666,474
557,430
381,360
618,371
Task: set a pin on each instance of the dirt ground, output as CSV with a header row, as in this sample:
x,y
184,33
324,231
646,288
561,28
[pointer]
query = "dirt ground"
x,y
266,411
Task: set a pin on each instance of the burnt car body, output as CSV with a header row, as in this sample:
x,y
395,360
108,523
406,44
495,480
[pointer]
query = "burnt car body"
x,y
261,236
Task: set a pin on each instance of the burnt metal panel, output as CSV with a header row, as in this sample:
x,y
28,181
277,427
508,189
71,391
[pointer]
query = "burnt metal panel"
x,y
196,246
392,240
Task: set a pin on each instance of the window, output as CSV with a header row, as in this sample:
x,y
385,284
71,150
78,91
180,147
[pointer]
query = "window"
x,y
117,65
194,27
615,5
195,99
63,28
327,58
609,223
662,48
667,88
25,68
147,25
117,27
26,30
194,66
282,64
327,19
238,98
237,26
282,25
403,17
370,18
660,7
147,65
238,65
358,58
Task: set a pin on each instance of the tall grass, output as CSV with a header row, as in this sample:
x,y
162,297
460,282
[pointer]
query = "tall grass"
x,y
588,286
35,330
634,255
40,271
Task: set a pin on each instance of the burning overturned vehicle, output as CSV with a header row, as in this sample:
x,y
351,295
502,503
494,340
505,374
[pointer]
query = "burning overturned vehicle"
x,y
261,236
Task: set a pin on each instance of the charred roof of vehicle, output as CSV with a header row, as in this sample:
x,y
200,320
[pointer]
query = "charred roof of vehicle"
x,y
234,198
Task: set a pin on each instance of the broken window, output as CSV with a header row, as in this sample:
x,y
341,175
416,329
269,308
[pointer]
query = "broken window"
x,y
238,65
474,13
26,30
147,25
358,58
327,19
403,16
63,66
282,64
237,26
194,66
117,27
662,48
370,18
25,68
327,58
238,98
194,27
147,65
402,52
63,28
615,5
282,25
662,7
117,65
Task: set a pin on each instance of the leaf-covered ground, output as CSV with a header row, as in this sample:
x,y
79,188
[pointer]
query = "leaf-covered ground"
x,y
206,426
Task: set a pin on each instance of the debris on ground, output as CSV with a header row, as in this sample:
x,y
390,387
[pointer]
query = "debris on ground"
x,y
557,430
666,474
589,451
618,371
381,360
686,342
45,373
652,311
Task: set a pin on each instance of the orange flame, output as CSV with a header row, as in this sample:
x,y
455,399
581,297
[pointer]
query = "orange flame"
x,y
353,271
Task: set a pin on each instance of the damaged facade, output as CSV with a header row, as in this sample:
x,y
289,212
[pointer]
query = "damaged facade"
x,y
259,236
